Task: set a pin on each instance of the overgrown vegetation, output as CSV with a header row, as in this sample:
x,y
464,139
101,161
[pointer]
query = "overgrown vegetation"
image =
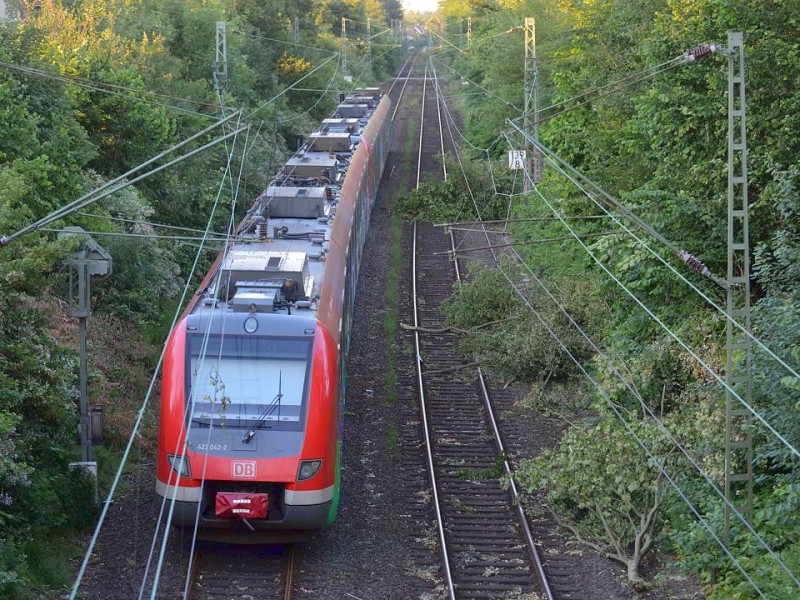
x,y
512,337
660,147
115,84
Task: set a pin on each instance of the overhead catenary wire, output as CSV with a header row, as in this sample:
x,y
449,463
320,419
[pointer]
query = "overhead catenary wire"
x,y
488,91
652,458
286,42
151,236
523,242
324,93
759,417
457,224
644,405
141,223
137,423
573,175
617,411
169,515
103,190
114,89
780,562
291,86
612,365
231,226
681,253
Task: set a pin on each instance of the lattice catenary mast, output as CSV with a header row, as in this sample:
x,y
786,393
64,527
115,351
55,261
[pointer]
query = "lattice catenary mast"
x,y
533,156
738,372
220,70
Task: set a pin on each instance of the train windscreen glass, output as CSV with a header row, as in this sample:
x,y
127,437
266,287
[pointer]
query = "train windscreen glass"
x,y
247,381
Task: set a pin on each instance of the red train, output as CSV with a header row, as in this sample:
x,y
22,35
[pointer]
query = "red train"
x,y
254,371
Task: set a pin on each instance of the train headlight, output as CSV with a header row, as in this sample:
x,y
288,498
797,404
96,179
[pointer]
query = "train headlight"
x,y
308,468
179,464
250,325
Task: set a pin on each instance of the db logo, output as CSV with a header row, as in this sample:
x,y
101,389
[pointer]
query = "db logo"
x,y
244,468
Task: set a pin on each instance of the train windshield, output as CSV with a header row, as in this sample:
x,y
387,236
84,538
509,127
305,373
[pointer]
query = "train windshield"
x,y
252,381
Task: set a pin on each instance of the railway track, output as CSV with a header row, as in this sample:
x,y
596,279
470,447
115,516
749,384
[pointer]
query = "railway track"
x,y
222,572
554,560
486,545
557,561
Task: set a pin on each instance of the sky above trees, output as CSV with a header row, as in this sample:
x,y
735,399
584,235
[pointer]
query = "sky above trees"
x,y
420,5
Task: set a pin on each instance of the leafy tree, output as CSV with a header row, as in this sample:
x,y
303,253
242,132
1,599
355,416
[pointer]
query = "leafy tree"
x,y
602,489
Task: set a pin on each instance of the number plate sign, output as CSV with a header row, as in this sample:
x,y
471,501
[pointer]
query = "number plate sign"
x,y
234,505
516,159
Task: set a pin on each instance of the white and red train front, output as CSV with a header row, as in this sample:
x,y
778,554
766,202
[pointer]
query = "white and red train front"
x,y
249,419
253,379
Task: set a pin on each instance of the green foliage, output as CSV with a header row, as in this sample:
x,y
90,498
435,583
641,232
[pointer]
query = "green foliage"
x,y
37,426
777,260
435,201
775,392
509,338
598,482
776,519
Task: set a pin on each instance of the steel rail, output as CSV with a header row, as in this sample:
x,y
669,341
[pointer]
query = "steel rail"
x,y
287,595
231,584
439,114
403,89
399,74
520,511
448,576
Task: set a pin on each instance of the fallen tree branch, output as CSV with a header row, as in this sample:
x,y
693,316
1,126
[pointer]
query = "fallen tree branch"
x,y
471,365
408,327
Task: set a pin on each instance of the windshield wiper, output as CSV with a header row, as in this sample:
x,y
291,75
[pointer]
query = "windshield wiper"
x,y
268,410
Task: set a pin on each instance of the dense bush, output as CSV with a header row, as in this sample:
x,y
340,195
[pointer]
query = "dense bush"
x,y
515,338
121,82
659,144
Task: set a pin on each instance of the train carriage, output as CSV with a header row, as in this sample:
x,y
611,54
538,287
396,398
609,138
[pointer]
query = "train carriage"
x,y
253,379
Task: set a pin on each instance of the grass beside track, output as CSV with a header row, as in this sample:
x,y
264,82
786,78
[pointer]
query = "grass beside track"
x,y
395,268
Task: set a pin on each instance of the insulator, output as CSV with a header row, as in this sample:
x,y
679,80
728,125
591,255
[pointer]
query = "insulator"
x,y
694,263
699,52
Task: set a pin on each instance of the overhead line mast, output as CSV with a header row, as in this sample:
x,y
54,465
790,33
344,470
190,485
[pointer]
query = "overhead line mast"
x,y
739,365
533,156
344,47
220,72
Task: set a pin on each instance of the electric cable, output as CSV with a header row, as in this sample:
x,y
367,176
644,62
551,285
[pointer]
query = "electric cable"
x,y
169,516
616,409
324,93
231,226
491,93
271,39
96,86
675,337
134,431
562,167
279,94
152,236
138,222
103,190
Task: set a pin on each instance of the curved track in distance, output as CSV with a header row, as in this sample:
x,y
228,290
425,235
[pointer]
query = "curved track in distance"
x,y
486,546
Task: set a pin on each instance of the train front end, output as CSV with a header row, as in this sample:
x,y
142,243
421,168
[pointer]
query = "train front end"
x,y
249,417
253,378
